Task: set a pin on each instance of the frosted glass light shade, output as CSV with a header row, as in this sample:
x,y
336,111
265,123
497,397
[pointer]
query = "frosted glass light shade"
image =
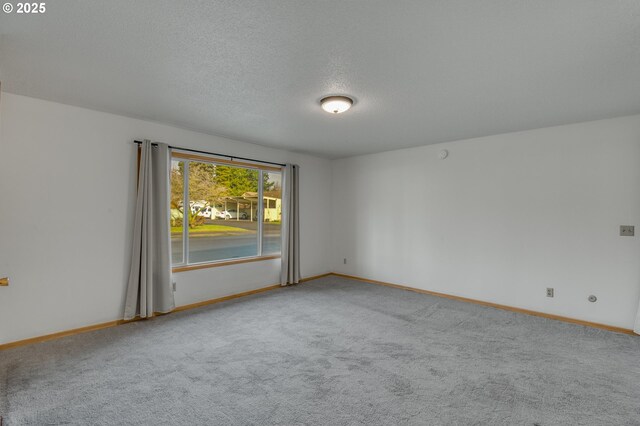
x,y
336,104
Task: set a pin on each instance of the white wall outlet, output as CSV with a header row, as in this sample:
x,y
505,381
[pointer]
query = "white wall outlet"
x,y
173,285
549,292
627,230
345,260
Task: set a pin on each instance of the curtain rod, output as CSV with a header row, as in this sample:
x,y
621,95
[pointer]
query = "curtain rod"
x,y
218,155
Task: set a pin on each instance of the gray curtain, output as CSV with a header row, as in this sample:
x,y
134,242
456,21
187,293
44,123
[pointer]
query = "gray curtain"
x,y
290,272
149,289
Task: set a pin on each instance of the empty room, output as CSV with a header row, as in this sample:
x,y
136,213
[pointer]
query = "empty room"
x,y
356,212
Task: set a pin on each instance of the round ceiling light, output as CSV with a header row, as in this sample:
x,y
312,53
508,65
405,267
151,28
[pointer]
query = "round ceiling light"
x,y
336,104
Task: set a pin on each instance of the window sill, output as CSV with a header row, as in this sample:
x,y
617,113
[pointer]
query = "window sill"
x,y
223,263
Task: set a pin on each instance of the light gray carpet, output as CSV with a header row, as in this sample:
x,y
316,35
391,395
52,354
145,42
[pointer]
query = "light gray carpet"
x,y
328,352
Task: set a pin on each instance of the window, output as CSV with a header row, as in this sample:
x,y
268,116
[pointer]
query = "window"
x,y
225,219
272,213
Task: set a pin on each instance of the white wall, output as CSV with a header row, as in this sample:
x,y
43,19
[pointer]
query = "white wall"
x,y
501,219
66,204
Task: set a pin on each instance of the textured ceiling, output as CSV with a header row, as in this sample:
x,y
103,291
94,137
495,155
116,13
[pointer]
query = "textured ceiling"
x,y
421,72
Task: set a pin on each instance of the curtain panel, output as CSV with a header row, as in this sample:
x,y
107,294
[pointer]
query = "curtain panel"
x,y
290,272
149,288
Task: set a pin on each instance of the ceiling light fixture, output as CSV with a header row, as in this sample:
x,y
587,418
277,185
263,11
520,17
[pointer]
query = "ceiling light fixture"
x,y
336,104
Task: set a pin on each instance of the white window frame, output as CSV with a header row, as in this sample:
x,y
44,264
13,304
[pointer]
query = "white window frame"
x,y
187,159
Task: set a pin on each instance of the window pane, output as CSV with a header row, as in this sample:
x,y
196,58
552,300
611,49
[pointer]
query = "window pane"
x,y
222,214
272,212
176,206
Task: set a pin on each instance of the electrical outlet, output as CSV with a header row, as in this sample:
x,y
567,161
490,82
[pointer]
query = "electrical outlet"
x,y
173,285
627,230
345,260
549,292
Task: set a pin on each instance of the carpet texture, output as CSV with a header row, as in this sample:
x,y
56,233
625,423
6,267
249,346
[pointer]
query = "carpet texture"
x,y
328,352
